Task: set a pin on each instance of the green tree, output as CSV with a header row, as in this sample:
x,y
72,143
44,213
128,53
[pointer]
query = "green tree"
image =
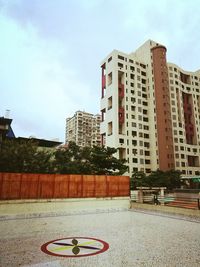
x,y
138,179
16,156
72,160
42,162
104,162
87,160
169,179
23,156
174,179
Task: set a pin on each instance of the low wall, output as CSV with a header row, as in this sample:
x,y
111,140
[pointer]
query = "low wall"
x,y
50,186
165,209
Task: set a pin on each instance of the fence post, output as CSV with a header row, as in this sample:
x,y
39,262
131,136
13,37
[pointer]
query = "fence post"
x,y
162,195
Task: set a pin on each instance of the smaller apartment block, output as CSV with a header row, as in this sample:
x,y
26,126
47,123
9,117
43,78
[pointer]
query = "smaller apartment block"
x,y
83,129
150,110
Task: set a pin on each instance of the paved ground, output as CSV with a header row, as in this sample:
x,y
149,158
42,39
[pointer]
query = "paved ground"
x,y
135,238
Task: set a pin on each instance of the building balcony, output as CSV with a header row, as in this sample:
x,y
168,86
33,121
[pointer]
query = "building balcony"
x,y
187,108
121,115
104,81
121,90
189,129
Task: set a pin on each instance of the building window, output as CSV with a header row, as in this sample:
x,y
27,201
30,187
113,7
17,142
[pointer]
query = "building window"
x,y
121,57
134,142
141,143
110,128
146,144
110,58
110,102
139,117
134,151
140,134
134,133
110,78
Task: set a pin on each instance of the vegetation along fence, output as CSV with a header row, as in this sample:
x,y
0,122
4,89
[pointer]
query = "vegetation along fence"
x,y
35,186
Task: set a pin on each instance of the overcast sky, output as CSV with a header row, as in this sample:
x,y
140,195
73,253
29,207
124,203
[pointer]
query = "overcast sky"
x,y
50,52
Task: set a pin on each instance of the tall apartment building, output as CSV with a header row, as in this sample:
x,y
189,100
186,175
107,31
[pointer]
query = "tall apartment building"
x,y
83,129
151,110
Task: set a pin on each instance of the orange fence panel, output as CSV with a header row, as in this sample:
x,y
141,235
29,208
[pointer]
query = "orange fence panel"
x,y
75,186
11,185
46,185
36,186
113,186
29,186
89,186
61,186
101,186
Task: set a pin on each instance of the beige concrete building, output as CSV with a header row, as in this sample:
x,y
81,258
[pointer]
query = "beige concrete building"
x,y
83,129
151,110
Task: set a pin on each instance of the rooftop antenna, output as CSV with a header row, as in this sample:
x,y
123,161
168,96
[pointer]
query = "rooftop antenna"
x,y
7,113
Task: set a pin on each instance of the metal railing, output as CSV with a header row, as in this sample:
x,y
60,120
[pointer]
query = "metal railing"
x,y
184,202
169,200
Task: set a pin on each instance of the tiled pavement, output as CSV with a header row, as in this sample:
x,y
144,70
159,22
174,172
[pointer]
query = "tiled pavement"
x,y
135,238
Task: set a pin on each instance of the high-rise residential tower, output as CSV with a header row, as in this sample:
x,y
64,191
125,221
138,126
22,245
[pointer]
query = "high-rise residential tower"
x,y
83,129
151,110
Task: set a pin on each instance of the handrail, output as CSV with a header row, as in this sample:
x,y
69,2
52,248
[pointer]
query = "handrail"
x,y
172,201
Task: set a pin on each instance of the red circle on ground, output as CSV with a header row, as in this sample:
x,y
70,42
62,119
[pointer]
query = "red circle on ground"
x,y
54,247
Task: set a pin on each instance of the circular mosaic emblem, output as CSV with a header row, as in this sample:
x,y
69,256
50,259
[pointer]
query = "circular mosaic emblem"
x,y
75,247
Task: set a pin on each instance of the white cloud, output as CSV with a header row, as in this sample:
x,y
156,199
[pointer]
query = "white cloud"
x,y
50,52
38,85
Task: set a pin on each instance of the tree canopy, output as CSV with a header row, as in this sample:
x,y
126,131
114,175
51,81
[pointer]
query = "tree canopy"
x,y
169,179
25,156
88,160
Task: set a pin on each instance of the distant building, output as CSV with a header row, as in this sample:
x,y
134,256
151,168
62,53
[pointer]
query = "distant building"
x,y
5,128
83,129
41,143
151,111
6,132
